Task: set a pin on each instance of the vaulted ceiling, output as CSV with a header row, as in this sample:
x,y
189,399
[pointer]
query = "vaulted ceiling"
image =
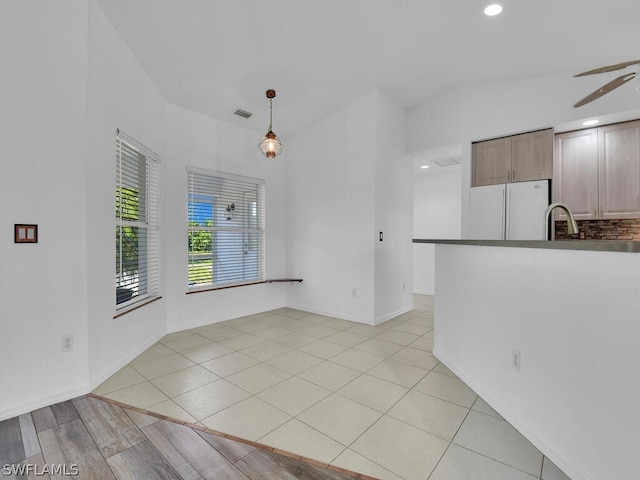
x,y
214,56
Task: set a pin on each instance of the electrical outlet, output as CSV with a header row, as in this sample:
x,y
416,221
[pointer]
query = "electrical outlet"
x,y
515,359
67,343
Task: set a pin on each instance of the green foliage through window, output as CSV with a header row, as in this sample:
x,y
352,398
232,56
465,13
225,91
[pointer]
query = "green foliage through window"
x,y
136,212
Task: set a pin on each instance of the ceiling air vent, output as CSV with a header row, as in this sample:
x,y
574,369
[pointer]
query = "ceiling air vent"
x,y
447,162
242,113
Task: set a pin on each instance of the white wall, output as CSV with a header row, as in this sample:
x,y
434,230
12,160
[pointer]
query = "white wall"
x,y
70,82
498,109
119,95
330,180
42,130
347,179
393,212
437,210
196,140
573,317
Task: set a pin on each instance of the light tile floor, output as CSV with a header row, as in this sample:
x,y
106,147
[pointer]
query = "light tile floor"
x,y
369,399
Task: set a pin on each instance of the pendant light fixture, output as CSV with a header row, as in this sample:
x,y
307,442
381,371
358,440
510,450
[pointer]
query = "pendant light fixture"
x,y
270,144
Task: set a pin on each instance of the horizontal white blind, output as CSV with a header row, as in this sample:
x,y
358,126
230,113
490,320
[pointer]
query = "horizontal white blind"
x,y
137,222
226,228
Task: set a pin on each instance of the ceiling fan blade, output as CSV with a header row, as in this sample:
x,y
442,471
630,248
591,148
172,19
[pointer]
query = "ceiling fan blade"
x,y
613,84
608,68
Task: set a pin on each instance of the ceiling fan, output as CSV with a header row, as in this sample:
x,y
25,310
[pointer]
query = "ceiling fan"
x,y
613,84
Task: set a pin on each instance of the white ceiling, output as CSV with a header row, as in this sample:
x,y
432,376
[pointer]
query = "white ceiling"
x,y
214,56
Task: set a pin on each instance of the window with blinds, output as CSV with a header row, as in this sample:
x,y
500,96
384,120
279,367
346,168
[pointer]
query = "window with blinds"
x,y
226,229
137,223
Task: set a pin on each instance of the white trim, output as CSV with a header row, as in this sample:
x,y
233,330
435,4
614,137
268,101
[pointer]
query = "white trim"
x,y
237,248
423,292
229,176
123,363
131,157
389,316
44,401
133,143
353,318
574,472
135,303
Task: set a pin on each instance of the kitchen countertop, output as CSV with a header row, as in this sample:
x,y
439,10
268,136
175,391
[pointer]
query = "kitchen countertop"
x,y
591,245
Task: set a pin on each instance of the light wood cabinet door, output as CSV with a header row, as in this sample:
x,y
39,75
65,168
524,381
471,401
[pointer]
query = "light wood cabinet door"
x,y
491,162
532,156
575,176
619,170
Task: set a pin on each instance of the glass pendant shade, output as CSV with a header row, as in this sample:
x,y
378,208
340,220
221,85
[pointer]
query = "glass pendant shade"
x,y
270,145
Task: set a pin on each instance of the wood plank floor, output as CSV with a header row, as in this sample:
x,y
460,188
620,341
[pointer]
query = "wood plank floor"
x,y
94,439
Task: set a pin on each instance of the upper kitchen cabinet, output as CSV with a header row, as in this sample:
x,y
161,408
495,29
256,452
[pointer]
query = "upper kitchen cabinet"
x,y
575,176
491,162
519,158
619,170
532,156
597,172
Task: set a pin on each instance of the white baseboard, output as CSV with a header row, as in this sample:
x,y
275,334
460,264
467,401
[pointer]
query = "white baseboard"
x,y
570,469
327,313
83,389
43,401
423,292
353,318
124,362
391,315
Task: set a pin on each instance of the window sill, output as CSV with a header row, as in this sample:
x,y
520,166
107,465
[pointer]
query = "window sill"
x,y
136,306
224,287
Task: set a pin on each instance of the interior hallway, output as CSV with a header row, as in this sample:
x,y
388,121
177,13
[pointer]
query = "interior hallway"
x,y
368,399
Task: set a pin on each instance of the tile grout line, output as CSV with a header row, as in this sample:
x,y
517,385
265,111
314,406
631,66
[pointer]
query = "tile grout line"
x,y
484,455
382,414
342,329
220,377
386,412
494,459
450,442
221,434
379,418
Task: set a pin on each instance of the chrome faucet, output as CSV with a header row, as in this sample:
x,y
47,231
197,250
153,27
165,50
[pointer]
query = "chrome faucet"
x,y
572,226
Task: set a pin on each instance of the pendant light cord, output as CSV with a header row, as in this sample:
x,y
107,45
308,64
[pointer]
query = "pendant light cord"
x,y
270,114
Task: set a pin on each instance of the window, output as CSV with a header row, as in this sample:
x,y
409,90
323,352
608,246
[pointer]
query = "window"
x,y
225,229
137,228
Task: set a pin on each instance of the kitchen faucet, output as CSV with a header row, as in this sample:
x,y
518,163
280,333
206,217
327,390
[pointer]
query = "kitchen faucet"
x,y
572,226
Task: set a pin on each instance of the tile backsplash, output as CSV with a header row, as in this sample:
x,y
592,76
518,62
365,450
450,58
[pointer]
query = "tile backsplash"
x,y
627,229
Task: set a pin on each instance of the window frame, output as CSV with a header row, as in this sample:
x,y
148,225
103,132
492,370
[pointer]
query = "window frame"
x,y
219,203
148,162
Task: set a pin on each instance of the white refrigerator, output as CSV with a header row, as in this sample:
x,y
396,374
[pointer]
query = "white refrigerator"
x,y
512,211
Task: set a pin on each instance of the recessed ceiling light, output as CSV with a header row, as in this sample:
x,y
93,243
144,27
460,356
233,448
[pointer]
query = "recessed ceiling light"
x,y
424,166
493,9
588,123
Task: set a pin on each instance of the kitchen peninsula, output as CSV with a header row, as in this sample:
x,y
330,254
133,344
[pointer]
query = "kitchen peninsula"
x,y
548,334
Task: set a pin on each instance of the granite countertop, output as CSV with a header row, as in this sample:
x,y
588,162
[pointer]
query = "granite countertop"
x,y
592,245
